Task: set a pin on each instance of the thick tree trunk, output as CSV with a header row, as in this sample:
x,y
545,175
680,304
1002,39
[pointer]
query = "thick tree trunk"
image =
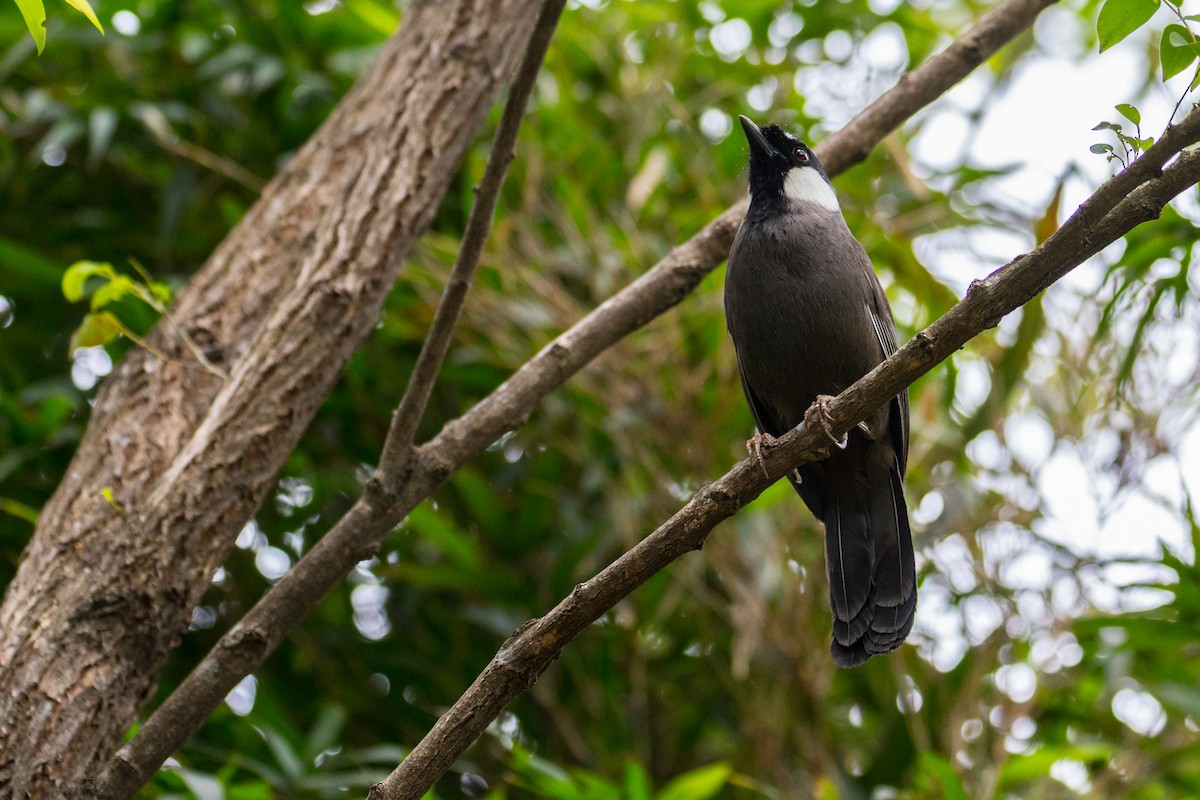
x,y
105,590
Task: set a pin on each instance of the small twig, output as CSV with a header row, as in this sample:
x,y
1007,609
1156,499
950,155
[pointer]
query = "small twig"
x,y
149,299
211,161
397,448
1186,91
1109,213
133,337
191,345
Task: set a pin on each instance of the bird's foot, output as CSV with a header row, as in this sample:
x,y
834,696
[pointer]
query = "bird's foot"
x,y
754,446
819,412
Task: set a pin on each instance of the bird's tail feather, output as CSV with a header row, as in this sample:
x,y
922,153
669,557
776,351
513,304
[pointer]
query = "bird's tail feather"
x,y
872,572
849,553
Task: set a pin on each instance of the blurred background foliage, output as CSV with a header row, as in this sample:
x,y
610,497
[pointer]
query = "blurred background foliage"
x,y
1057,650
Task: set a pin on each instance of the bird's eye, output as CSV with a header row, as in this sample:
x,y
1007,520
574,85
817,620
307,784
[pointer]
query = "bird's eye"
x,y
800,156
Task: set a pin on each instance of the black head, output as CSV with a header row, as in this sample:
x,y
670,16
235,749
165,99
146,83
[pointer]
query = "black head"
x,y
783,169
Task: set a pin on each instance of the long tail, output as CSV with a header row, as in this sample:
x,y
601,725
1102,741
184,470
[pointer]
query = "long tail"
x,y
872,572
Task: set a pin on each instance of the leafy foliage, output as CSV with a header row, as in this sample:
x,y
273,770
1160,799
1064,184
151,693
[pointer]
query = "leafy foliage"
x,y
34,14
714,679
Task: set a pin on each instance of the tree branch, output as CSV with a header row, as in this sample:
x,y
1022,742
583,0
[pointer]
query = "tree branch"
x,y
356,536
104,591
1133,196
397,446
137,761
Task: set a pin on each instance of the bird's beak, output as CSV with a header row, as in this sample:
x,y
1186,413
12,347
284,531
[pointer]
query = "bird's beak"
x,y
756,139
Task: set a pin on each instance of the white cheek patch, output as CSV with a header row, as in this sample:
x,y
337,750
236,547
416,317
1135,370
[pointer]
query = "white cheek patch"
x,y
805,183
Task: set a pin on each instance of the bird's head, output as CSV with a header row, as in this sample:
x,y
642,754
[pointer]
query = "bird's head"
x,y
784,168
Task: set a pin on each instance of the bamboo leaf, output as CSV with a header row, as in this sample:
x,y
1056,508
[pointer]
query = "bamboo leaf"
x,y
84,8
35,19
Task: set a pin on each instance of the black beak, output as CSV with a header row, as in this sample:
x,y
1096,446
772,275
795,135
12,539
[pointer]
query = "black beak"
x,y
755,137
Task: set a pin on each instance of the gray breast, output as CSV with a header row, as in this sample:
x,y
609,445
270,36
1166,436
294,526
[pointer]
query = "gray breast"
x,y
796,298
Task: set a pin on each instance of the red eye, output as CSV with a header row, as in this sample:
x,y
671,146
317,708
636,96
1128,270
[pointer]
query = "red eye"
x,y
800,156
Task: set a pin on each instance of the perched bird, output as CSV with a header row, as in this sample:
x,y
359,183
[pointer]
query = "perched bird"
x,y
808,318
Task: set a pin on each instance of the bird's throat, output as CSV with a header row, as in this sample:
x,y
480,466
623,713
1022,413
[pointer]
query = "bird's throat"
x,y
807,185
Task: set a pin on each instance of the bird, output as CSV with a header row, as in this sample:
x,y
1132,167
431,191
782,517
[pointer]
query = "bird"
x,y
808,317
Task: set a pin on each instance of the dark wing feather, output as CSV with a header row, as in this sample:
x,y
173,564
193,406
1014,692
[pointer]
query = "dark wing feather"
x,y
885,331
805,480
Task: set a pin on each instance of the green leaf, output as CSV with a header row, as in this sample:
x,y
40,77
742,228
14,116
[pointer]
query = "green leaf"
x,y
83,8
35,19
19,510
1108,126
947,779
95,330
637,784
161,292
482,498
118,287
457,546
1130,113
1101,148
76,276
380,16
286,757
18,258
1119,18
1020,769
699,784
325,731
1176,58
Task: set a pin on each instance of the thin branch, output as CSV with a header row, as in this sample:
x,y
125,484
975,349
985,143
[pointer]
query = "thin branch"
x,y
357,534
1118,206
398,445
219,164
147,296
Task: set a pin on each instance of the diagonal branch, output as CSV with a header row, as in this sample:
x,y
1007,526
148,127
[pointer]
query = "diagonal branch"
x,y
433,351
1135,195
356,535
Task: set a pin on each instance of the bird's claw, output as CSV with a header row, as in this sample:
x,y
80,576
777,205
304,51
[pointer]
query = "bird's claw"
x,y
820,411
754,446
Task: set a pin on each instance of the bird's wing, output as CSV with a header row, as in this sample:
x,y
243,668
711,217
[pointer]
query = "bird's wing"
x,y
763,419
805,480
885,330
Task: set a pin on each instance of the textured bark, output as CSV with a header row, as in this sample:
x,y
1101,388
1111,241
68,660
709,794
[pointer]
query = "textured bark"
x,y
105,590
